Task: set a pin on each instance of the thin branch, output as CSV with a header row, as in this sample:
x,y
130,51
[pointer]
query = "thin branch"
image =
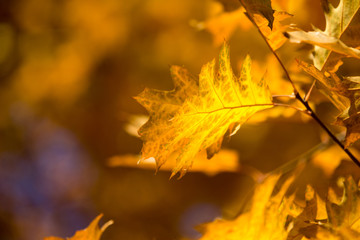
x,y
297,95
268,44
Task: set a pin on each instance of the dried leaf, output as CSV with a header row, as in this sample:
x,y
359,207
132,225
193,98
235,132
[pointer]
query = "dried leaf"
x,y
352,124
268,21
344,93
322,40
337,21
262,7
331,86
195,115
92,232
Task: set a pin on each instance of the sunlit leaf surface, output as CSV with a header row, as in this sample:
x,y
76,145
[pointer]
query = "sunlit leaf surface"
x,y
197,113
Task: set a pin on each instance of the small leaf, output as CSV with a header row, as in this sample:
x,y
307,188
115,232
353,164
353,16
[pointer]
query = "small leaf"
x,y
267,20
92,232
337,21
274,35
262,7
332,87
352,124
322,40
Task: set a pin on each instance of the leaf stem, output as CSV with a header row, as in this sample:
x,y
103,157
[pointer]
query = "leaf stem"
x,y
296,92
298,109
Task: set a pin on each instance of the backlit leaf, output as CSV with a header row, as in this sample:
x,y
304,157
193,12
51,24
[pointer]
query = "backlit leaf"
x,y
337,21
265,220
322,40
344,93
274,35
262,7
92,232
268,21
197,113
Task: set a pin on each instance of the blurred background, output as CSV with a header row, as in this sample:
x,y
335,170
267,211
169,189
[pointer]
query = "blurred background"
x,y
68,72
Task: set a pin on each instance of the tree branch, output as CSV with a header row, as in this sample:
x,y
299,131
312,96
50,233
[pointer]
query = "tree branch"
x,y
297,95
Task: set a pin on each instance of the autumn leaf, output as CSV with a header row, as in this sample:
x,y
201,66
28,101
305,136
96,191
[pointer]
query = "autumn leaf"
x,y
224,161
268,21
337,21
344,93
342,215
332,87
92,232
197,113
322,40
352,124
265,220
274,35
261,7
224,24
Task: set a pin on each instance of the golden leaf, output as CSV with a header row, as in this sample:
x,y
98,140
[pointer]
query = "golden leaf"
x,y
260,7
274,35
337,21
344,93
322,40
331,86
342,221
197,113
92,232
265,220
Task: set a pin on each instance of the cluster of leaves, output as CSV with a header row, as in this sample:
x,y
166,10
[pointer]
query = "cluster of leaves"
x,y
275,215
200,112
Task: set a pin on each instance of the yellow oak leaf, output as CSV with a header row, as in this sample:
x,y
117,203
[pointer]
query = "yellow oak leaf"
x,y
198,112
337,21
92,232
265,220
